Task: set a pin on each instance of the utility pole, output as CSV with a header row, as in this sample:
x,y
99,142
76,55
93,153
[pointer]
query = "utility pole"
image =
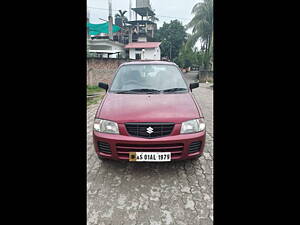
x,y
130,34
170,52
88,22
129,10
110,20
130,28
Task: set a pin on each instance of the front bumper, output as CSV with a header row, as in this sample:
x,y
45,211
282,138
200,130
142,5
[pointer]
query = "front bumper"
x,y
120,145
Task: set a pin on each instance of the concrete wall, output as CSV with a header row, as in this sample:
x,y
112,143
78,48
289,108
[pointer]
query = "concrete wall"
x,y
101,70
150,54
132,53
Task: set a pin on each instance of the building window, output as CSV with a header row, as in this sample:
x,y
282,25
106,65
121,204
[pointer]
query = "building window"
x,y
138,49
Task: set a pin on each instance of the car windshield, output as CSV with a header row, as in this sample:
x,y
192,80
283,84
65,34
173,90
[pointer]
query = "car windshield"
x,y
150,78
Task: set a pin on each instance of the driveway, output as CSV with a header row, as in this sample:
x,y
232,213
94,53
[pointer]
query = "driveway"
x,y
179,193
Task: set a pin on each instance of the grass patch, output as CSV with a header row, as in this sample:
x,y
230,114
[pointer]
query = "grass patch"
x,y
91,101
93,89
94,100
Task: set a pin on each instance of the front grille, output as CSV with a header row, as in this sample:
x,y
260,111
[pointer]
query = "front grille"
x,y
124,149
195,147
104,147
156,129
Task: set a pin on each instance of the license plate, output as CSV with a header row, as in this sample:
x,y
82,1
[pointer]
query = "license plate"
x,y
149,156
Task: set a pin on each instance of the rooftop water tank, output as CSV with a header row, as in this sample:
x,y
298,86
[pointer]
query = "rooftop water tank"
x,y
142,3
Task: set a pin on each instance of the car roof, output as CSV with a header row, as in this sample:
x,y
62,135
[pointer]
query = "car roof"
x,y
148,62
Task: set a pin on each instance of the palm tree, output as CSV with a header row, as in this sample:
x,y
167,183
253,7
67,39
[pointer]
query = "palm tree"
x,y
202,25
122,15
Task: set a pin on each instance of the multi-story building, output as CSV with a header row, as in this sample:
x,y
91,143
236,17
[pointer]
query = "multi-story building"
x,y
142,29
139,30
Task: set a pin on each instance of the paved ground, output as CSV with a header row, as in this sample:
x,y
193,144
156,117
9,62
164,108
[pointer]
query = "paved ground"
x,y
179,193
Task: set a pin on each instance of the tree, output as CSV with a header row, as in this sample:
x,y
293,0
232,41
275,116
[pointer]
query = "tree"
x,y
186,57
172,35
121,14
202,24
198,58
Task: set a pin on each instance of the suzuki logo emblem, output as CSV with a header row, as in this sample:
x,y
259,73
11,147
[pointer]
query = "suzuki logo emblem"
x,y
149,130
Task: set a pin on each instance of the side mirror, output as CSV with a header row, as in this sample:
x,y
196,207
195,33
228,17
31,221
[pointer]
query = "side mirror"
x,y
103,85
194,85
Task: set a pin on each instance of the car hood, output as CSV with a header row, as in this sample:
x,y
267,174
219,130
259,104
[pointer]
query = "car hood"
x,y
148,108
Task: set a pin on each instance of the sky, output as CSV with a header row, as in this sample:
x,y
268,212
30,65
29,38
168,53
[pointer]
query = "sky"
x,y
164,9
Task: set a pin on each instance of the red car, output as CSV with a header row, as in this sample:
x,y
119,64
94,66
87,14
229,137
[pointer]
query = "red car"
x,y
149,114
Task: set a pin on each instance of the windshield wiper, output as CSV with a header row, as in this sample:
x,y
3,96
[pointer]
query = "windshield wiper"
x,y
124,92
146,90
174,89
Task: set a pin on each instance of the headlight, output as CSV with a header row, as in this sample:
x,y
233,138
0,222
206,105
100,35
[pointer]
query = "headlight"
x,y
192,126
106,126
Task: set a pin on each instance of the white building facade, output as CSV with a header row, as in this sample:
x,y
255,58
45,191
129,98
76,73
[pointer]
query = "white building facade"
x,y
103,45
144,50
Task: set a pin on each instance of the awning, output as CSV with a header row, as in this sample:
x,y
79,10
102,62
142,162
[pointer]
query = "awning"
x,y
140,22
106,51
95,29
143,11
143,45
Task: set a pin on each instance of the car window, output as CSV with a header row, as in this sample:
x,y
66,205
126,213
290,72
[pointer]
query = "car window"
x,y
150,76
